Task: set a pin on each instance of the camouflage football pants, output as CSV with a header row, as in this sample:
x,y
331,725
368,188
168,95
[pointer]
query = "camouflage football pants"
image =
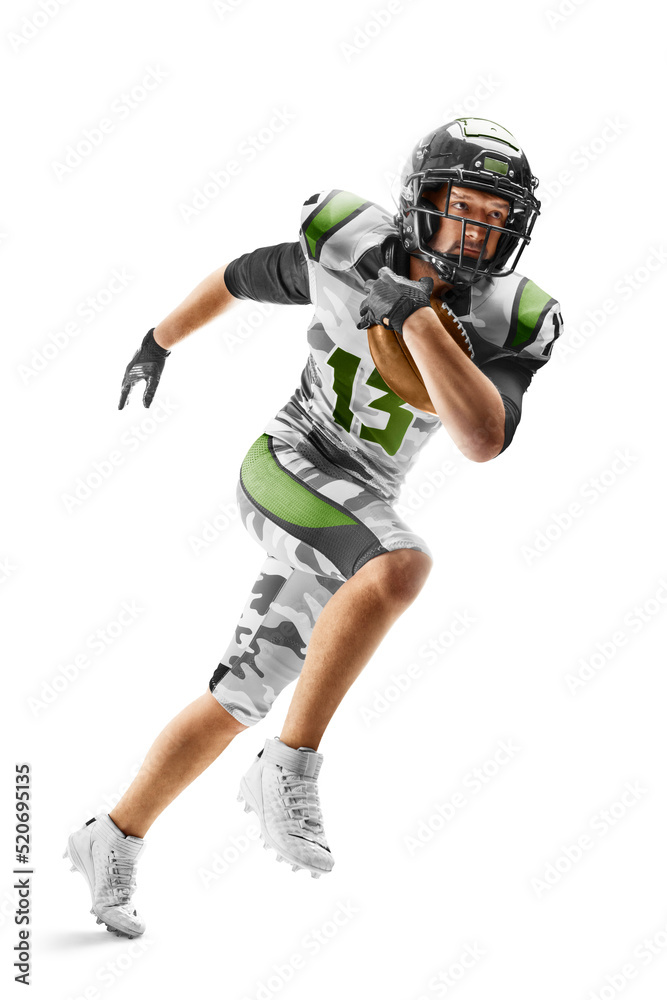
x,y
318,527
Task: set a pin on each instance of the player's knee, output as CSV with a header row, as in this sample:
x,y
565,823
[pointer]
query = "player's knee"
x,y
404,573
222,718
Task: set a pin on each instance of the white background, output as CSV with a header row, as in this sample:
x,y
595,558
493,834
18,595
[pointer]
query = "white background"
x,y
360,97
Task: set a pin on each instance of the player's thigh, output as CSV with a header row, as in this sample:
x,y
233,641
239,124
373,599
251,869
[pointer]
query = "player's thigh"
x,y
305,511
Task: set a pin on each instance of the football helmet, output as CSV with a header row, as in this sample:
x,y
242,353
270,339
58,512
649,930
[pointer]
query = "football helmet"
x,y
474,153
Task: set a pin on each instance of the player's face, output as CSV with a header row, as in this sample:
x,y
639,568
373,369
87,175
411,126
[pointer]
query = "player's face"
x,y
475,206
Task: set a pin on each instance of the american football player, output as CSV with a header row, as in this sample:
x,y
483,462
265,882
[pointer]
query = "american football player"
x,y
317,489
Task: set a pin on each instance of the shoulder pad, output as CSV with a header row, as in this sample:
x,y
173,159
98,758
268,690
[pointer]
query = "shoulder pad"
x,y
338,227
515,318
535,322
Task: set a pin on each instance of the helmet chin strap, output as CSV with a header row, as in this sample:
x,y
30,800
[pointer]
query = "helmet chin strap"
x,y
450,272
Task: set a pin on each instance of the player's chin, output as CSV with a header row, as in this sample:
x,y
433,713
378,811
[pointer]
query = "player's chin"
x,y
467,255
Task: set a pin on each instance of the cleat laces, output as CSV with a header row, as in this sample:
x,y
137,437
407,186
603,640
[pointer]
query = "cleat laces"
x,y
122,877
305,804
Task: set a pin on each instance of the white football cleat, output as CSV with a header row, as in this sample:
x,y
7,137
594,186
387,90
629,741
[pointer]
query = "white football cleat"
x,y
281,788
107,859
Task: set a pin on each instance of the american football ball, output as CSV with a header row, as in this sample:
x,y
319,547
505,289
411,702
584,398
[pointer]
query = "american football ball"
x,y
396,365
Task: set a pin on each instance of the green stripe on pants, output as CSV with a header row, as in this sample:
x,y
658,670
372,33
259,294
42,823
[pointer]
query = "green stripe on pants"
x,y
282,495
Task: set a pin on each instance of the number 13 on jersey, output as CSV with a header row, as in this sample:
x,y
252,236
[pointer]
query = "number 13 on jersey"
x,y
345,367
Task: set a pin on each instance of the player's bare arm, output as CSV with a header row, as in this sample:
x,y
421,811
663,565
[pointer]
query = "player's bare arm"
x,y
467,402
204,303
210,298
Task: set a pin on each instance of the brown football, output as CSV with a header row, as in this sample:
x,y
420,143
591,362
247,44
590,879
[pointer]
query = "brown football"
x,y
396,365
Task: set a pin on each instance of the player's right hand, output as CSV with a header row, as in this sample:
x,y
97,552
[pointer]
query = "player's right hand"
x,y
147,364
392,297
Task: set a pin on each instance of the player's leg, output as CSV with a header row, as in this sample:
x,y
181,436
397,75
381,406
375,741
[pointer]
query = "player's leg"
x,y
307,512
107,848
186,746
347,633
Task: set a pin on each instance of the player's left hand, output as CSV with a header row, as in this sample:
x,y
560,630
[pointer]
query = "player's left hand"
x,y
393,298
147,364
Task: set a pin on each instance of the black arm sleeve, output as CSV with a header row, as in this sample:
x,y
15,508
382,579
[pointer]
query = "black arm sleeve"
x,y
511,379
270,274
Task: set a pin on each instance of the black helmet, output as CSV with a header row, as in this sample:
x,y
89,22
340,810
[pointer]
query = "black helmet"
x,y
475,153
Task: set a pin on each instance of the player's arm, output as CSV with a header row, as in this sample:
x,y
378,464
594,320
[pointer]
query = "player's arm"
x,y
467,402
204,303
479,409
269,274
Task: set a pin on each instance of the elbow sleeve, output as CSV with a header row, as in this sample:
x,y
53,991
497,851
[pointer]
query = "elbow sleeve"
x,y
270,274
512,418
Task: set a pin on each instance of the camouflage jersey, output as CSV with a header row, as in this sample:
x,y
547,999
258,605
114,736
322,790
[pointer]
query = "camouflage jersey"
x,y
342,405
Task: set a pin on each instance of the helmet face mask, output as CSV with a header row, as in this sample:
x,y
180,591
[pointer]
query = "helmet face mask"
x,y
468,153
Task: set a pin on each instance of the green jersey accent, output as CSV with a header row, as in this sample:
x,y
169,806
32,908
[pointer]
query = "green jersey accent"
x,y
531,305
282,495
332,214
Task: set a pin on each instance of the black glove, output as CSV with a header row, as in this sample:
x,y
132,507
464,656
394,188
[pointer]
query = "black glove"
x,y
395,297
147,363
